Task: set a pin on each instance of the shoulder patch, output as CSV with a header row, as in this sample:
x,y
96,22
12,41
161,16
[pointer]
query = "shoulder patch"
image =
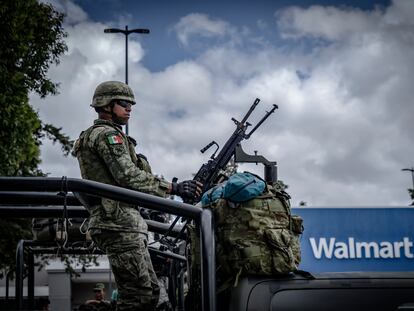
x,y
114,139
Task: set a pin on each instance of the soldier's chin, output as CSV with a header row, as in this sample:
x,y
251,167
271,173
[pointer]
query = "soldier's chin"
x,y
120,121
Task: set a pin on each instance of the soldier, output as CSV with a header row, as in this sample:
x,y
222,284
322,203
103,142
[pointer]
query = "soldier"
x,y
99,301
107,155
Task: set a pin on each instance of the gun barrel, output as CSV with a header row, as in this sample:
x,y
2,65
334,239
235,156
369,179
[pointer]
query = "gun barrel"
x,y
262,120
256,102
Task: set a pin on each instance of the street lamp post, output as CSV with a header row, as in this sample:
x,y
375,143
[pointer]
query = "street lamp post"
x,y
412,174
126,32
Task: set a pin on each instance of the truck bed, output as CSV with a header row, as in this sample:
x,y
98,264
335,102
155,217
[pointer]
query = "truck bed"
x,y
328,291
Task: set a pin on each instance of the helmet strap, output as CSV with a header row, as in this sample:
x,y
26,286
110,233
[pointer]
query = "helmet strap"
x,y
114,117
101,111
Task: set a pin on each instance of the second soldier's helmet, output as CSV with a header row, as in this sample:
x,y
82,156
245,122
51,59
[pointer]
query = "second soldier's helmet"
x,y
110,90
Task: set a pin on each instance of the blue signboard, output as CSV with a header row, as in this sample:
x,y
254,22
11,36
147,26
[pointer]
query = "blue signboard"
x,y
357,239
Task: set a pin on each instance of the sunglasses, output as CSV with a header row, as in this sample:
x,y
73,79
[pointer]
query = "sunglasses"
x,y
123,103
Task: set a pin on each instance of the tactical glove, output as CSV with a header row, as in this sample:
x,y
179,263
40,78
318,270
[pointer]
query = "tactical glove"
x,y
186,189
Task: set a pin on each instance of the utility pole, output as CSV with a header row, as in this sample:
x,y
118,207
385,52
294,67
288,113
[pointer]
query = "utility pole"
x,y
412,176
126,32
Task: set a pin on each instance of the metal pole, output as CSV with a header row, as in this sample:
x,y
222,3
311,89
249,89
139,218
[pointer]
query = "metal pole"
x,y
30,280
208,261
19,274
7,288
126,32
102,190
126,68
110,282
126,54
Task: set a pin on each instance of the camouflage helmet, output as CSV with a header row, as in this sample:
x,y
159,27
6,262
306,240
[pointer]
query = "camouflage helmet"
x,y
110,90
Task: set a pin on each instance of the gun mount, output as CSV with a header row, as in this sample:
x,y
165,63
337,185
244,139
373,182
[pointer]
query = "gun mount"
x,y
270,168
209,172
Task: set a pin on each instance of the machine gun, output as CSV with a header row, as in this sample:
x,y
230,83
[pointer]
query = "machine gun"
x,y
209,172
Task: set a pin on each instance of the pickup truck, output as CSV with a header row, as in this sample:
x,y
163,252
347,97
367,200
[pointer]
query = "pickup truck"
x,y
50,197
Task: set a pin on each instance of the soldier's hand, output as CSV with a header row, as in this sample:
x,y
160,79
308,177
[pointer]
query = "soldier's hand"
x,y
187,189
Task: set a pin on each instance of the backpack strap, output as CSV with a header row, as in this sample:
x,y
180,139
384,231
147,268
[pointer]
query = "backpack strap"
x,y
305,274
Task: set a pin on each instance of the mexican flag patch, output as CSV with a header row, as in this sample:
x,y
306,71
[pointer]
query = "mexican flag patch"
x,y
115,139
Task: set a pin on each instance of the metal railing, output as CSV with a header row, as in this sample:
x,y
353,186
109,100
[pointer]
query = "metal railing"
x,y
33,190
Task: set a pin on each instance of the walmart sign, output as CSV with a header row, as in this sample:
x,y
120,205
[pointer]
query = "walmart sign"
x,y
357,239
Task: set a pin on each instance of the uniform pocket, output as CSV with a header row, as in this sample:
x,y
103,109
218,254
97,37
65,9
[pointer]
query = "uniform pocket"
x,y
109,209
118,149
280,245
297,229
247,256
297,224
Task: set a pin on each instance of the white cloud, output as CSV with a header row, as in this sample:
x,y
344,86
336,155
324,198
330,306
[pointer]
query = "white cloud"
x,y
329,23
202,25
92,57
344,126
400,13
73,13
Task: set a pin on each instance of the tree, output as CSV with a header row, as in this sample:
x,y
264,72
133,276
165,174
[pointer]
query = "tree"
x,y
411,192
32,39
282,185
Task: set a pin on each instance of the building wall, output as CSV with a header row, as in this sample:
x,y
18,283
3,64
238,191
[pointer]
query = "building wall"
x,y
65,293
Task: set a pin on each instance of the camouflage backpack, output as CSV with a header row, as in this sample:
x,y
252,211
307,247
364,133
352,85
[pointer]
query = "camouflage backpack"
x,y
257,237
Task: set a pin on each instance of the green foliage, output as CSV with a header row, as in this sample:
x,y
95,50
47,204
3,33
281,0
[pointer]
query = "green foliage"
x,y
11,231
54,134
70,261
20,129
282,185
32,39
84,261
411,192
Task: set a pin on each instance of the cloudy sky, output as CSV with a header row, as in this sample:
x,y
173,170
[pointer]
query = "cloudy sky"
x,y
341,73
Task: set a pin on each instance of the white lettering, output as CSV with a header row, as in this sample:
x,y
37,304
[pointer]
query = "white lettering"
x,y
330,248
351,247
387,251
367,247
407,245
323,246
341,250
397,248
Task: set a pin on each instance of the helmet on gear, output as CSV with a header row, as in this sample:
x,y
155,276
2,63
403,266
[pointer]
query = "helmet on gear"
x,y
110,90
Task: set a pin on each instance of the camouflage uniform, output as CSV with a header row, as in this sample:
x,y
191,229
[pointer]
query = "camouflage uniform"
x,y
107,155
103,305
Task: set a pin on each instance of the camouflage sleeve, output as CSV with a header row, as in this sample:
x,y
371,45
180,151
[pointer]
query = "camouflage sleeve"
x,y
112,148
